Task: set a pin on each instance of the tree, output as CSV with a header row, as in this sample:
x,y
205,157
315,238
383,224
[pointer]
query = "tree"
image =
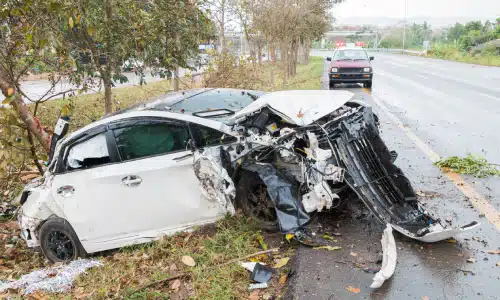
x,y
222,12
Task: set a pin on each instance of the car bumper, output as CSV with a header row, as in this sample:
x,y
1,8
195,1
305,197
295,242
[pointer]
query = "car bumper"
x,y
349,77
28,226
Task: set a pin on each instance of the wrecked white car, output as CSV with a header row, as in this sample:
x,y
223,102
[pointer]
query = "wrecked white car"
x,y
188,158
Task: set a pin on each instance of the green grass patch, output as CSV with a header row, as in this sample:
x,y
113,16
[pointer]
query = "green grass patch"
x,y
469,165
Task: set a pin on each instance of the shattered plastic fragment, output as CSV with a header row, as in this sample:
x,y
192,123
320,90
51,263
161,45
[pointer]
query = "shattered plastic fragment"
x,y
389,258
55,279
254,286
261,273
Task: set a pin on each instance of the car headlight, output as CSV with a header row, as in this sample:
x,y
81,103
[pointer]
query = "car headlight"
x,y
366,70
334,70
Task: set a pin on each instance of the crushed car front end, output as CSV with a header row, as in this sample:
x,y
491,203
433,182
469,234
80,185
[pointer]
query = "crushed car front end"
x,y
314,149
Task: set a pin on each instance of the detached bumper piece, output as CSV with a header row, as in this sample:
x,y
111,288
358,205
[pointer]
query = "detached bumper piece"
x,y
381,185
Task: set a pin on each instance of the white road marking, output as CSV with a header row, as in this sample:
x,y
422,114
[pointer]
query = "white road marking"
x,y
476,199
489,96
422,76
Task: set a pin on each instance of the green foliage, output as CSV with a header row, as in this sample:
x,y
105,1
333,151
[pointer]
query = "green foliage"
x,y
470,165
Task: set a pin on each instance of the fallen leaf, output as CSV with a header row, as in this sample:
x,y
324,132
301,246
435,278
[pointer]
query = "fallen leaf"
x,y
283,279
10,91
39,296
176,284
282,262
425,298
254,295
471,260
188,261
6,193
451,241
289,236
329,248
70,22
266,296
327,237
494,251
354,254
145,256
353,289
173,267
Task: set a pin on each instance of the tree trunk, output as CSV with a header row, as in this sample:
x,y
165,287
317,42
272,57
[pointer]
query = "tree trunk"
x,y
175,79
222,25
259,51
106,76
31,122
108,105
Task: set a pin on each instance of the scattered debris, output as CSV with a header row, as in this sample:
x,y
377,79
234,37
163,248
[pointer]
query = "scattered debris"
x,y
261,273
266,296
254,286
466,271
353,254
470,165
175,285
353,289
248,265
254,295
371,270
329,248
188,261
389,258
451,241
498,264
327,237
425,298
471,260
55,279
496,251
449,219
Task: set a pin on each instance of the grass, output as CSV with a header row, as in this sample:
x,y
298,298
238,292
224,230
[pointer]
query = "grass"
x,y
470,165
454,53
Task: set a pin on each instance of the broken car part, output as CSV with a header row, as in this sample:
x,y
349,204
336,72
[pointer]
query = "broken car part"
x,y
261,273
389,258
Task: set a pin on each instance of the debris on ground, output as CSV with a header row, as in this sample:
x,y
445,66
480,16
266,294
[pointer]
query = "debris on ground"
x,y
471,260
55,279
389,258
261,273
470,165
254,286
497,251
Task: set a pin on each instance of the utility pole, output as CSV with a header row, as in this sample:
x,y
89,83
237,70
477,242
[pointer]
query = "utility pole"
x,y
404,26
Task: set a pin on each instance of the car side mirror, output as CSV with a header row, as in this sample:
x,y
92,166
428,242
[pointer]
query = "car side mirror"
x,y
329,59
372,57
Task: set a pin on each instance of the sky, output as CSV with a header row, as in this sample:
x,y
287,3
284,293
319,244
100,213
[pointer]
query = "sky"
x,y
417,8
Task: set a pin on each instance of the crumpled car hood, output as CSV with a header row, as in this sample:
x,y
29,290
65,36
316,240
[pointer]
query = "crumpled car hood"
x,y
301,107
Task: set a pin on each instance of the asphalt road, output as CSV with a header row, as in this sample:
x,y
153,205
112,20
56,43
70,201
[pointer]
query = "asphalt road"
x,y
449,109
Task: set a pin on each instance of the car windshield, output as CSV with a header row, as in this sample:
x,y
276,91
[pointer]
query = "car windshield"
x,y
217,99
350,54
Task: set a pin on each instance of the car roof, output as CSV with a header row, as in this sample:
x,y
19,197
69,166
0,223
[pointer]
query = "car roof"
x,y
195,100
191,99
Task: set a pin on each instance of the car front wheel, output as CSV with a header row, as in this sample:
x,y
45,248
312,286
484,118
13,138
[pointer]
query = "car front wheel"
x,y
59,241
368,84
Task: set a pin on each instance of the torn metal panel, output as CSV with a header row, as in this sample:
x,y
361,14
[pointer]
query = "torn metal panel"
x,y
215,182
291,215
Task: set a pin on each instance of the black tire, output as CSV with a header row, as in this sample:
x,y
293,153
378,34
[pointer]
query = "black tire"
x,y
59,241
332,85
253,199
368,84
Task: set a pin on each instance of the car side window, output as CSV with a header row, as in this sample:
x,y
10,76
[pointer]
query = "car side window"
x,y
143,140
88,153
205,136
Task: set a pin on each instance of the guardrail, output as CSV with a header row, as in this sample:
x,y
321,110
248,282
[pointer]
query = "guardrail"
x,y
415,52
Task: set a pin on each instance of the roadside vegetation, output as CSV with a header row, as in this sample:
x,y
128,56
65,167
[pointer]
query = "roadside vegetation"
x,y
469,165
474,42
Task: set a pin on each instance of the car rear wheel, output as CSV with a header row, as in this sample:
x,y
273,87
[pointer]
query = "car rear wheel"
x,y
253,199
59,241
368,84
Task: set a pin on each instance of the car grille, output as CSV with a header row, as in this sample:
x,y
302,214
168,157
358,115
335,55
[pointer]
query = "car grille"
x,y
351,70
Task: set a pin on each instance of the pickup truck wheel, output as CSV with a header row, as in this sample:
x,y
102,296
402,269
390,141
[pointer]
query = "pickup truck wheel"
x,y
253,199
59,241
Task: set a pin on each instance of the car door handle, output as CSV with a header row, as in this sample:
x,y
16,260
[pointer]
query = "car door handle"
x,y
66,191
131,180
183,157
